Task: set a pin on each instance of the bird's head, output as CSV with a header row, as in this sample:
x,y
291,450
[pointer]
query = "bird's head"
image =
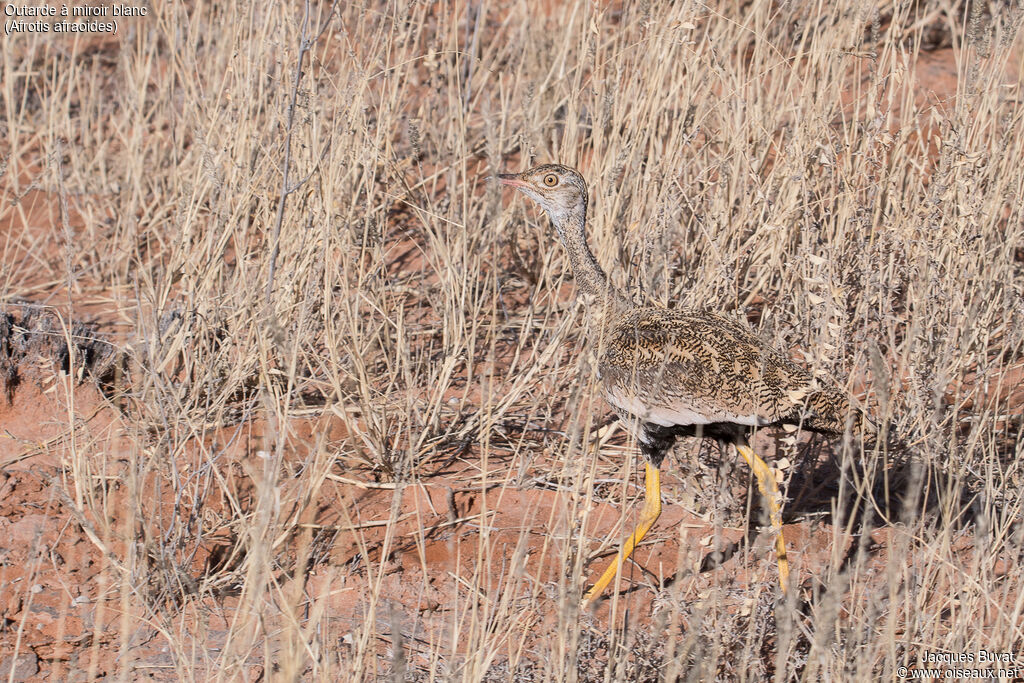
x,y
559,190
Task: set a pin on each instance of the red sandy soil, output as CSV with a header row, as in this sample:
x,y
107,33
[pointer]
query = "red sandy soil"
x,y
64,621
65,624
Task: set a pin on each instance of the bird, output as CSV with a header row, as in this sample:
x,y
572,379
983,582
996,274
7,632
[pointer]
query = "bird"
x,y
677,372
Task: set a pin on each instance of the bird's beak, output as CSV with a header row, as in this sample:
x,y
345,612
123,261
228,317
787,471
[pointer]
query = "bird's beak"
x,y
511,179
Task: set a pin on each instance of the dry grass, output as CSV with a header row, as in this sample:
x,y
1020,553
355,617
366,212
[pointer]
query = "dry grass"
x,y
275,251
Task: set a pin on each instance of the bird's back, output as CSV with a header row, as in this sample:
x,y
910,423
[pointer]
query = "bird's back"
x,y
691,367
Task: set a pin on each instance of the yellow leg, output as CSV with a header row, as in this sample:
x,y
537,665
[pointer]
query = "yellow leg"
x,y
649,514
770,490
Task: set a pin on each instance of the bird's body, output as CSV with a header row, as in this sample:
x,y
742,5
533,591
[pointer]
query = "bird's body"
x,y
670,373
669,368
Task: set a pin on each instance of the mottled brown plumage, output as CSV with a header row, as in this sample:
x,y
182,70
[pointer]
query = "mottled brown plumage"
x,y
671,373
692,367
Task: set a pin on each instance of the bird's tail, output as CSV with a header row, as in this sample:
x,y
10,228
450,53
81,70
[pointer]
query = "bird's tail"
x,y
830,410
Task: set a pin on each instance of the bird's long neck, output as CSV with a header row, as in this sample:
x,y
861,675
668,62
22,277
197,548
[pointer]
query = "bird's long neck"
x,y
590,277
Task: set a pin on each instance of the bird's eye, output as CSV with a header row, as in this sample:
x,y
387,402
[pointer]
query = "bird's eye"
x,y
550,180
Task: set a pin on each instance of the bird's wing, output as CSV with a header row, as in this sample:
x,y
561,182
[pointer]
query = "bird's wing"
x,y
694,367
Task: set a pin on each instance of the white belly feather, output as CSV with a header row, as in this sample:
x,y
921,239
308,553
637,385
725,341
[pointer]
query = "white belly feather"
x,y
677,413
